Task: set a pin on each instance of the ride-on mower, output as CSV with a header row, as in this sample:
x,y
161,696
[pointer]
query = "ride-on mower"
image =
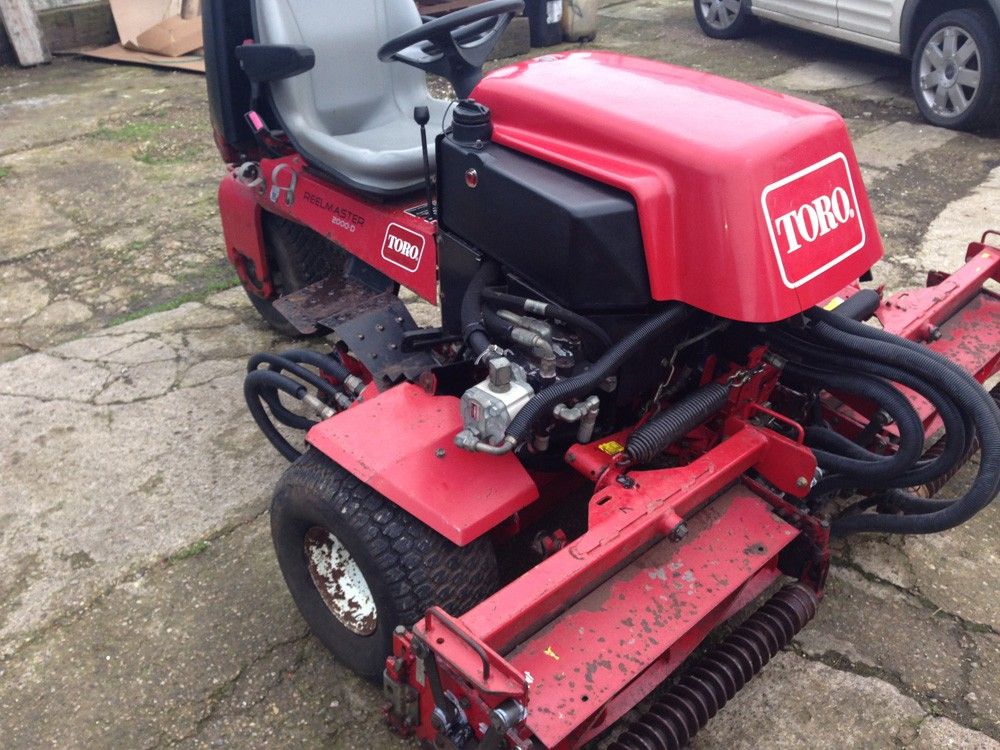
x,y
657,388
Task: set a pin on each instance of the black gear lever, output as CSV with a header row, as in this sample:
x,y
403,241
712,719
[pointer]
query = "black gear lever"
x,y
422,115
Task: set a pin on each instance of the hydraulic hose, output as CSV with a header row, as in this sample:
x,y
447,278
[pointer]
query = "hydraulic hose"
x,y
859,306
325,363
263,384
473,332
279,363
957,430
873,467
261,381
868,342
610,362
574,320
675,422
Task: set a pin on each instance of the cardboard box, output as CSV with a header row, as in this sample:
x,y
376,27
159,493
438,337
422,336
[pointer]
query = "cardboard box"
x,y
152,32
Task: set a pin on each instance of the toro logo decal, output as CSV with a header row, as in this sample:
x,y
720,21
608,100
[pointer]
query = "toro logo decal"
x,y
813,219
403,247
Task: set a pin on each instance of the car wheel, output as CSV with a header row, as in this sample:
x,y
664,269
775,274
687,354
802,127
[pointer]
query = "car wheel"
x,y
955,72
724,19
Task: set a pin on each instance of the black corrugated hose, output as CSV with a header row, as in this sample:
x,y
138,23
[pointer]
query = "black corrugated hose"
x,y
675,422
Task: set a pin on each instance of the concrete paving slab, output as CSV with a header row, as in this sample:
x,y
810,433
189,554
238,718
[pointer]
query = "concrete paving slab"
x,y
977,208
117,455
890,147
824,75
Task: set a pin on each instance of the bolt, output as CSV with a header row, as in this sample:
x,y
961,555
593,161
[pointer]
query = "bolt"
x,y
392,346
626,481
440,452
801,482
570,457
679,533
380,327
361,337
399,320
400,630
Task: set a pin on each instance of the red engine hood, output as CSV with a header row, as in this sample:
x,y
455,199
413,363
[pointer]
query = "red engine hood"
x,y
751,203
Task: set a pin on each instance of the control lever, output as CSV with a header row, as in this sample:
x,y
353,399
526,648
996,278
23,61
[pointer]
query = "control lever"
x,y
422,116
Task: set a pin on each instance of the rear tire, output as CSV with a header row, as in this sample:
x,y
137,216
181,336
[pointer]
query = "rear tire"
x,y
297,257
405,566
724,19
955,71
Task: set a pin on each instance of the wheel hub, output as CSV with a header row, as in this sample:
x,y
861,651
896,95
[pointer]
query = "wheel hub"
x,y
340,582
950,67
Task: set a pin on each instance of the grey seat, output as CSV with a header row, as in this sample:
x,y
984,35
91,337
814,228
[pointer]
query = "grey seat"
x,y
351,115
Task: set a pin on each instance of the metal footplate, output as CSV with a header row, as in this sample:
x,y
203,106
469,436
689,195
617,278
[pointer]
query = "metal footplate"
x,y
334,299
375,338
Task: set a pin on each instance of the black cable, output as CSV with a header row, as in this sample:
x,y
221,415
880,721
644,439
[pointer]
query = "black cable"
x,y
958,430
279,363
873,466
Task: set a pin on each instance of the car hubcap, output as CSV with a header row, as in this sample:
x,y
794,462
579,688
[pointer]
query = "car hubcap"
x,y
950,68
340,582
720,14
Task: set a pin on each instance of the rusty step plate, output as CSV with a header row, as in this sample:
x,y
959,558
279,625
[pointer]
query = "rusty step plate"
x,y
335,299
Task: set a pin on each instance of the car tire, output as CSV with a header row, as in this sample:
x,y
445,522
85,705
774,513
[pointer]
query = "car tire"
x,y
297,257
724,19
358,565
955,71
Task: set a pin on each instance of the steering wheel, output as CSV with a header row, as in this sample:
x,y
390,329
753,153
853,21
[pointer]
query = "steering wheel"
x,y
455,46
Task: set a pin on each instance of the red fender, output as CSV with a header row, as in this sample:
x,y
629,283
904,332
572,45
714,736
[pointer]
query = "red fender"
x,y
243,233
401,442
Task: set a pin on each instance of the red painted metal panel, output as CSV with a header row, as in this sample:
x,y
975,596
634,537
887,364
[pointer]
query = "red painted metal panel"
x,y
682,648
399,244
241,229
401,443
596,648
755,226
619,525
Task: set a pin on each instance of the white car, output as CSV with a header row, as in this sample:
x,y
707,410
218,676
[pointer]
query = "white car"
x,y
953,45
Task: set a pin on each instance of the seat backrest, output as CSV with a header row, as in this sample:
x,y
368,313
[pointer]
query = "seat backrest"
x,y
349,90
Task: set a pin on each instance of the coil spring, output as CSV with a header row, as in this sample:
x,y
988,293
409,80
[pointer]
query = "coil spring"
x,y
673,719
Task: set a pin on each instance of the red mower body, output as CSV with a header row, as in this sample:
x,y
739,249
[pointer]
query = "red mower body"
x,y
655,394
751,203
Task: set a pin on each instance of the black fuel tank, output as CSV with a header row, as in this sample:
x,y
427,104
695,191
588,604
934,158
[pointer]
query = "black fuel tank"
x,y
574,240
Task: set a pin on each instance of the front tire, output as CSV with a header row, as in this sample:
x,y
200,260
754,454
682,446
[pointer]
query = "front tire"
x,y
724,19
357,565
955,71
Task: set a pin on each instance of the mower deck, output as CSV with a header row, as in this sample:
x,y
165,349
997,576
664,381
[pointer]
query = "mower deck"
x,y
641,623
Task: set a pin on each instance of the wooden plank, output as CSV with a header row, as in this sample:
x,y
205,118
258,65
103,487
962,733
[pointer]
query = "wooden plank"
x,y
24,32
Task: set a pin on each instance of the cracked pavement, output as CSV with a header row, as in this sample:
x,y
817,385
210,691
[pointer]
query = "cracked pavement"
x,y
141,605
